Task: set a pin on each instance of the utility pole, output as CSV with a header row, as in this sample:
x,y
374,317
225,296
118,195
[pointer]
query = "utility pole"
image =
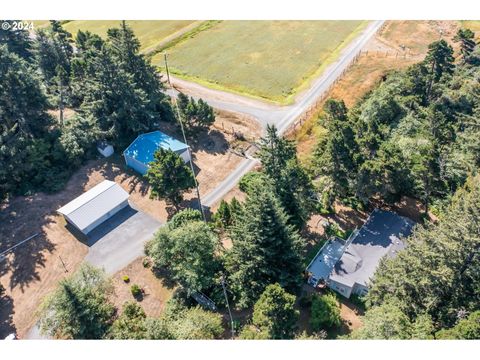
x,y
166,67
185,141
228,305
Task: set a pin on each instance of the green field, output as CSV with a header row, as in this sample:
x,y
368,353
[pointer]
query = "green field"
x,y
151,33
265,59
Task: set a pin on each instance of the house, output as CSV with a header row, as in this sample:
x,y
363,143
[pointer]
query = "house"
x,y
140,152
347,266
95,206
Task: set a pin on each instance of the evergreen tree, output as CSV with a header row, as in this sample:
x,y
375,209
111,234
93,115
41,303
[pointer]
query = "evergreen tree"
x,y
25,142
292,184
386,322
130,324
169,177
274,313
195,115
80,306
335,156
440,59
17,41
266,249
437,273
466,329
325,312
466,38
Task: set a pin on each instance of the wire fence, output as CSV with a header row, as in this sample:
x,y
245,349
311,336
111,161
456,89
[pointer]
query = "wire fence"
x,y
314,108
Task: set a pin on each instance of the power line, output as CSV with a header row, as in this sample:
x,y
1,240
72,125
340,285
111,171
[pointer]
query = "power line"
x,y
228,305
185,141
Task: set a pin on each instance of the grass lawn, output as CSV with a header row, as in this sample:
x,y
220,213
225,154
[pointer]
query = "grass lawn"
x,y
264,59
151,33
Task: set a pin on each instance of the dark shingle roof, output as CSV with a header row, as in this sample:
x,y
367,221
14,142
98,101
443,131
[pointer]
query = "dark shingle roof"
x,y
380,236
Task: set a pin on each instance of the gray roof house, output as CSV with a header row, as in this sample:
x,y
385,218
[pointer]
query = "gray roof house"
x,y
347,266
95,206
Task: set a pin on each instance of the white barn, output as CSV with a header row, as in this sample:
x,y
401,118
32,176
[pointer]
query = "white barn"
x,y
95,206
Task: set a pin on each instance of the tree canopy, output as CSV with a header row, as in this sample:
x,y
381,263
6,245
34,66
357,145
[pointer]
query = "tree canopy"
x,y
189,252
274,314
169,177
80,307
266,249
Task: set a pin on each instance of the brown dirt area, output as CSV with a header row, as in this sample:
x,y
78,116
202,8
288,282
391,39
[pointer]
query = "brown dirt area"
x,y
399,45
155,296
33,269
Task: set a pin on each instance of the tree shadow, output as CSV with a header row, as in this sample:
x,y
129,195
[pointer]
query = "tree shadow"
x,y
165,276
210,141
6,316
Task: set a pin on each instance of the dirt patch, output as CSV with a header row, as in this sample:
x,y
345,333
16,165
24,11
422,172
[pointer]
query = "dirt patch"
x,y
155,294
350,315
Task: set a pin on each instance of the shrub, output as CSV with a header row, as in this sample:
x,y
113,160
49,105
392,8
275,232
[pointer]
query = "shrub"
x,y
136,290
325,312
146,262
125,278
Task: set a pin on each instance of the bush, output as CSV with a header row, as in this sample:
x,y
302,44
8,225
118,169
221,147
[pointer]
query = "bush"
x,y
146,262
125,278
136,290
184,217
325,312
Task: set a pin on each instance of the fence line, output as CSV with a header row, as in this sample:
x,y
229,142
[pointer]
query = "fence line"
x,y
305,115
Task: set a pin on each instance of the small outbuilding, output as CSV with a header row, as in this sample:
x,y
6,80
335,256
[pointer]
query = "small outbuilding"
x,y
140,152
95,206
105,149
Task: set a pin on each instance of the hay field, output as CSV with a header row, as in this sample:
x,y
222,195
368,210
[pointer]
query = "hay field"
x,y
263,59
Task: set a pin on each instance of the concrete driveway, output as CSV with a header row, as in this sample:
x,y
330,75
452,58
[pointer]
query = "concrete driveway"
x,y
120,240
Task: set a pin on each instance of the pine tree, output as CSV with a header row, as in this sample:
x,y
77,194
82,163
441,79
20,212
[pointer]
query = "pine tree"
x,y
169,177
274,313
438,272
466,38
291,182
80,306
17,41
266,249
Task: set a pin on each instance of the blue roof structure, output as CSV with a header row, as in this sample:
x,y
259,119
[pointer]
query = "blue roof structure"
x,y
144,146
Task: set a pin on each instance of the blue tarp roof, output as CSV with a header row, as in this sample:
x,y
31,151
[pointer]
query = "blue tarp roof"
x,y
145,145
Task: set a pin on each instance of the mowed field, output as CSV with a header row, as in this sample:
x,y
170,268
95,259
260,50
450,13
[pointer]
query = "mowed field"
x,y
264,59
151,33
